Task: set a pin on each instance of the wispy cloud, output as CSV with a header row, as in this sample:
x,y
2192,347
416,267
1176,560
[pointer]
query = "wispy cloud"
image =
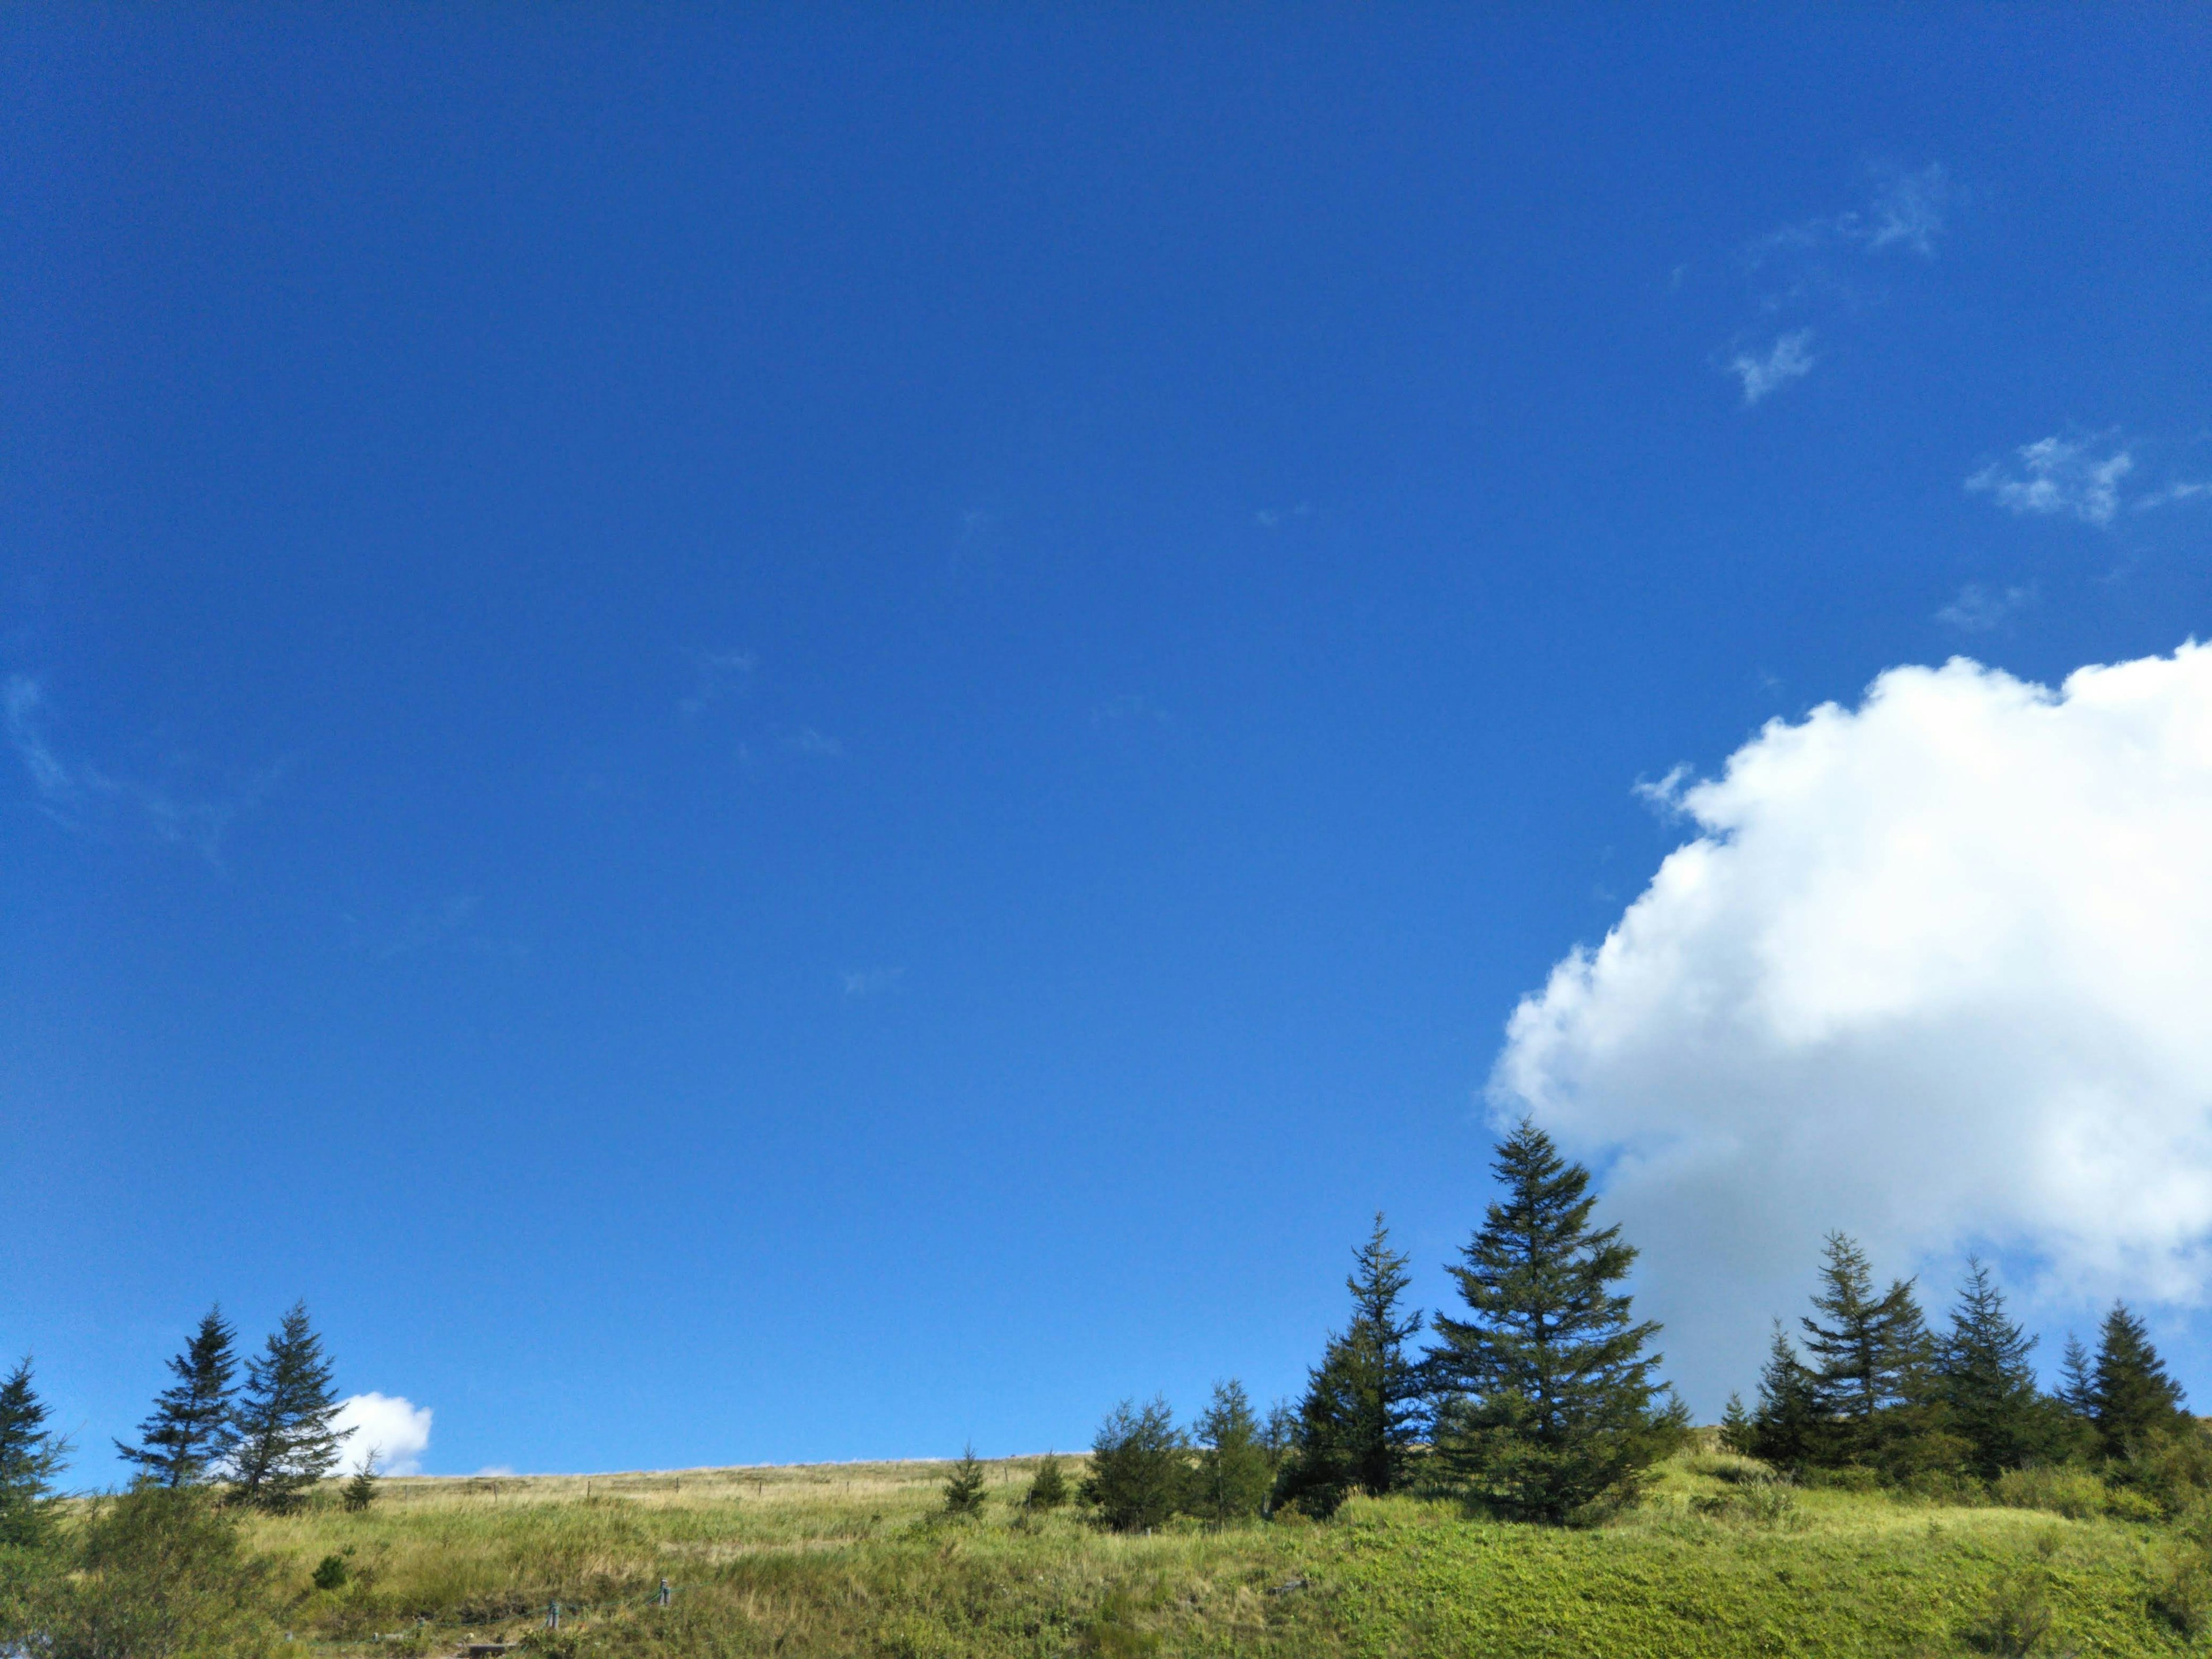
x,y
1977,610
712,674
2186,490
808,741
1273,518
84,796
2072,478
1818,271
450,924
872,982
1788,359
1906,213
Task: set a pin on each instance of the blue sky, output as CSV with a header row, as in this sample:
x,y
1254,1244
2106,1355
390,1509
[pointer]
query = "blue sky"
x,y
809,735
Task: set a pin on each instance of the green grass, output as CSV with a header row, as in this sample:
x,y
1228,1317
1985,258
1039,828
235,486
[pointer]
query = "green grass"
x,y
854,1559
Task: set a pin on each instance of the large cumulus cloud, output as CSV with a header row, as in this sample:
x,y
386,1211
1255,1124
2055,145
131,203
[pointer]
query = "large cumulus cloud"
x,y
1936,970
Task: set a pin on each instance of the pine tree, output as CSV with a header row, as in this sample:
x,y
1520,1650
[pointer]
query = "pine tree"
x,y
1738,1433
2131,1396
1387,1387
31,1455
1985,1380
2077,1380
360,1492
1872,1359
1359,1425
1138,1467
285,1441
1233,1477
1550,1405
1049,1486
964,1487
190,1433
1786,1429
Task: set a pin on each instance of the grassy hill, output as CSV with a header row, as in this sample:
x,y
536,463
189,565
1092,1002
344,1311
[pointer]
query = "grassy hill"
x,y
854,1559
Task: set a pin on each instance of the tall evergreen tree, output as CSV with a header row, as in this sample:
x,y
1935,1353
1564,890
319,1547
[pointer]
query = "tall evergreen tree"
x,y
190,1433
1233,1477
2077,1380
1985,1380
31,1455
1359,1425
286,1441
1872,1358
1551,1404
2131,1395
1787,1428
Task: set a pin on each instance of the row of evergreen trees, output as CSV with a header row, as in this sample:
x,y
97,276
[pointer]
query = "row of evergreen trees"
x,y
1874,1388
1540,1401
266,1440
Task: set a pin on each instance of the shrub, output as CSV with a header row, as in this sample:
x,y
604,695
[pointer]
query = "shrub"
x,y
1048,1487
331,1573
160,1576
2169,1471
964,1487
1771,1504
2181,1590
2066,1489
2014,1622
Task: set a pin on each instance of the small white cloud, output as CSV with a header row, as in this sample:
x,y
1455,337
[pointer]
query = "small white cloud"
x,y
808,741
1787,360
394,1428
1906,212
2073,477
1272,517
1978,609
869,981
495,1472
1129,712
1932,971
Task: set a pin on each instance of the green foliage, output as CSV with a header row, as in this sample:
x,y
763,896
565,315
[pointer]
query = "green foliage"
x,y
361,1490
1358,1426
159,1573
1986,1382
2064,1489
2130,1396
191,1431
31,1455
2016,1618
1232,1477
1788,1429
329,1573
1139,1467
1047,1486
1550,1408
1872,1368
285,1442
2169,1468
964,1486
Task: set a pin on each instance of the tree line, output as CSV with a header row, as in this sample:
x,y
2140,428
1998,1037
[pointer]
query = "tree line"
x,y
1539,1400
264,1439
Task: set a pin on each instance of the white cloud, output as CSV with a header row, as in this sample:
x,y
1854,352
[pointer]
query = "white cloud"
x,y
1906,212
808,741
1979,609
393,1427
869,981
1786,361
2059,477
1934,972
2185,489
712,674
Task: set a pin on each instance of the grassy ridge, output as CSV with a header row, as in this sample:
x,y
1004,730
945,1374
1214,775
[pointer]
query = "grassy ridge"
x,y
854,1560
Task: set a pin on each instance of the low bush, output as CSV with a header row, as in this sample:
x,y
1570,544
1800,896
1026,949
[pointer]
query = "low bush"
x,y
2064,1489
2016,1620
2181,1588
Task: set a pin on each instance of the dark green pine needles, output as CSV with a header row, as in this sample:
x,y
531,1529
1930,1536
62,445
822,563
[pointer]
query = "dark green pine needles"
x,y
190,1433
2130,1395
31,1455
1550,1408
286,1441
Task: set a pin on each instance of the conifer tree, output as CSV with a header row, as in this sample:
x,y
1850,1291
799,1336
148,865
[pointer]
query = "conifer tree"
x,y
1317,1470
1985,1380
285,1442
1049,1486
1138,1467
1786,1429
190,1432
964,1487
1872,1359
31,1456
2131,1395
360,1492
1551,1404
2077,1380
1232,1476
